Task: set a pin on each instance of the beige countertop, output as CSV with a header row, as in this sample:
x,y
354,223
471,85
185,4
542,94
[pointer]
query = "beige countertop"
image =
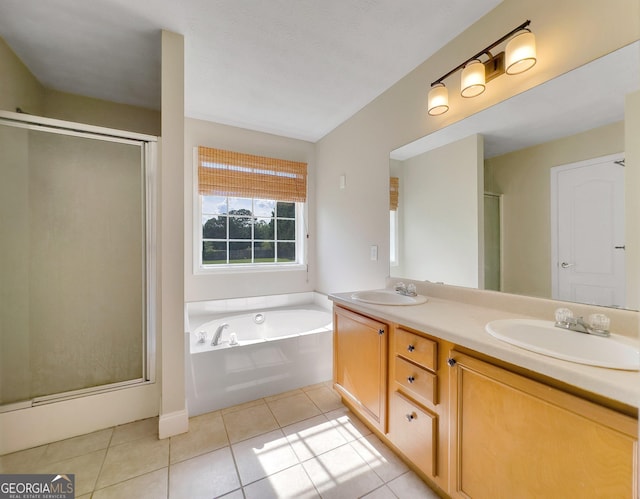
x,y
463,324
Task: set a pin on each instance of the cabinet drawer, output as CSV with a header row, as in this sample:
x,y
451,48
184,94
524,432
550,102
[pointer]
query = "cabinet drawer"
x,y
416,348
416,381
414,431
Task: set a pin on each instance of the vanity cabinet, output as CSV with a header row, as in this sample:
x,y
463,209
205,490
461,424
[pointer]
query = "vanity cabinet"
x,y
513,436
360,364
477,427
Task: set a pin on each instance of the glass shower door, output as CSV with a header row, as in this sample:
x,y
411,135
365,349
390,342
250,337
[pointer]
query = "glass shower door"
x,y
73,262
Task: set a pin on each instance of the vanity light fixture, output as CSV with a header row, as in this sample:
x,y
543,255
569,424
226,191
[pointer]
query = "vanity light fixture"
x,y
519,56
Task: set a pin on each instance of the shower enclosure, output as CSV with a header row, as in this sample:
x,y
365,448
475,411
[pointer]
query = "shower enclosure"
x,y
76,259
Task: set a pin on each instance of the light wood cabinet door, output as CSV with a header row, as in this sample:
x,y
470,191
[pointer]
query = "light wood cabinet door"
x,y
360,363
413,429
516,437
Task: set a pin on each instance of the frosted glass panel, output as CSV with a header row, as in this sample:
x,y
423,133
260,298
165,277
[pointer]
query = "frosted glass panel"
x,y
72,263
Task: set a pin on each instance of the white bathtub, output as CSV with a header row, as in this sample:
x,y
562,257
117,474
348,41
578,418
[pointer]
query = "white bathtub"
x,y
284,342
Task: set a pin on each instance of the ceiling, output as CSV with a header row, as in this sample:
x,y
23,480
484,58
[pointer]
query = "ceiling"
x,y
296,68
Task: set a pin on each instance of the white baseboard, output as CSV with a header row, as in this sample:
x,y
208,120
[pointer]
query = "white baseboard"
x,y
173,423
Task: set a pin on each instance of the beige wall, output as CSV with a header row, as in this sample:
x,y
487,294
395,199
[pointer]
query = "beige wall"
x,y
201,286
18,87
442,225
524,179
349,221
71,107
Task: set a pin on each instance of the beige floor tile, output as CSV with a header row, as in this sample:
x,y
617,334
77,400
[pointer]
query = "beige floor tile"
x,y
342,473
249,422
349,426
206,433
133,431
292,483
410,486
293,409
262,456
25,461
236,494
382,460
152,485
383,492
283,395
206,476
316,386
77,446
239,407
325,398
312,437
85,468
133,459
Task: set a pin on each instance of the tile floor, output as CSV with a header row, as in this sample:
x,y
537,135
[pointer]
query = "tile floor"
x,y
300,444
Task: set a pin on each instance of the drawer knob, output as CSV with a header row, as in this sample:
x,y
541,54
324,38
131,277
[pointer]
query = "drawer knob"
x,y
411,348
411,379
411,417
451,362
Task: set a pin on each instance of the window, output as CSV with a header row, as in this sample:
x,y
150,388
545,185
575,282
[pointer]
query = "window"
x,y
251,209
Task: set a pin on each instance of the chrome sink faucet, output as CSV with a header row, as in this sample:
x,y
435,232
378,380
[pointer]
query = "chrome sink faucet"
x,y
598,324
406,289
218,334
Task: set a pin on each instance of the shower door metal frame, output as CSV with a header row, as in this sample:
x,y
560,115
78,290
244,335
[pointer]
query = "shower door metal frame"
x,y
149,156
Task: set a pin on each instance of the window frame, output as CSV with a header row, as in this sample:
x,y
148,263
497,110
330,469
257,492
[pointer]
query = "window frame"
x,y
394,239
199,268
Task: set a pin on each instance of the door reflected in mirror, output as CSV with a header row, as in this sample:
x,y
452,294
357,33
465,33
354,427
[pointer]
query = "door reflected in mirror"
x,y
483,218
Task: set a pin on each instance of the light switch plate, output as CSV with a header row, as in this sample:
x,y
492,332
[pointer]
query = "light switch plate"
x,y
374,253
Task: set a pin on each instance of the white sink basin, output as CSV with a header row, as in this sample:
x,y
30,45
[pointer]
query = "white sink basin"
x,y
617,352
387,297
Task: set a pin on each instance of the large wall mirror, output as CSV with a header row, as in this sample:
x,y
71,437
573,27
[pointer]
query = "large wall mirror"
x,y
527,196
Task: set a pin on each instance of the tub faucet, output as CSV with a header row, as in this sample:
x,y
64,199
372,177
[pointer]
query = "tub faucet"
x,y
216,336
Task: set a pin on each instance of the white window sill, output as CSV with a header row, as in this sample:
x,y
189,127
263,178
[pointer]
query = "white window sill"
x,y
249,269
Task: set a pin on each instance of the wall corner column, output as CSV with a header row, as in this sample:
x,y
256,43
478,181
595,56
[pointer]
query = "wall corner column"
x,y
173,413
632,203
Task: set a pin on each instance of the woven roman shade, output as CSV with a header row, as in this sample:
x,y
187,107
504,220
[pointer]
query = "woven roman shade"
x,y
394,188
228,173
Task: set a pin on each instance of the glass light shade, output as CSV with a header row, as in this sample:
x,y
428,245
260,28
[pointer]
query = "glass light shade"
x,y
438,100
472,83
520,53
